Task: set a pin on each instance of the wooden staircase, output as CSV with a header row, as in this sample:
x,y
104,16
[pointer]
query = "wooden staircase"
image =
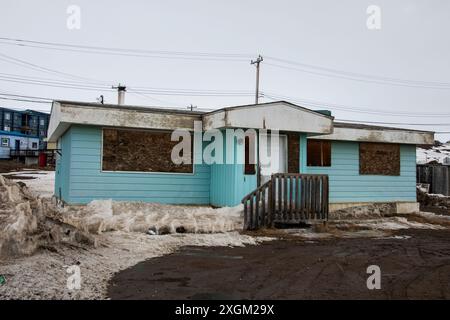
x,y
287,198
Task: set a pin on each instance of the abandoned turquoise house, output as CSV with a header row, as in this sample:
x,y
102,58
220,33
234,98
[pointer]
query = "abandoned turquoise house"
x,y
122,152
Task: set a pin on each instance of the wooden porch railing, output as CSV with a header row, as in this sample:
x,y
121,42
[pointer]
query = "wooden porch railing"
x,y
287,198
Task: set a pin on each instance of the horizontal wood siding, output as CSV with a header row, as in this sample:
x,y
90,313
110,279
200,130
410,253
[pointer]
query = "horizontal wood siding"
x,y
88,182
229,184
62,170
347,185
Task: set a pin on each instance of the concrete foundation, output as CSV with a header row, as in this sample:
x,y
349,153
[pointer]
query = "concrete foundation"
x,y
366,209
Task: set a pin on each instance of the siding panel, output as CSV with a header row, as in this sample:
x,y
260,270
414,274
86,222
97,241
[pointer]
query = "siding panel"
x,y
347,185
88,182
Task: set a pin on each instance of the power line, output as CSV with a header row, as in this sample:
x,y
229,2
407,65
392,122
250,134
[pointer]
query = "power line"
x,y
306,68
205,56
23,96
318,104
23,100
36,67
329,72
395,123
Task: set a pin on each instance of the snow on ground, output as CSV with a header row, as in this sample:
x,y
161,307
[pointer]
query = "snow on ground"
x,y
107,215
40,183
123,232
44,275
436,153
122,239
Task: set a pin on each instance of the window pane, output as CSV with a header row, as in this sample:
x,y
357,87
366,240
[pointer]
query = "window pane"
x,y
326,153
379,158
249,167
318,153
144,151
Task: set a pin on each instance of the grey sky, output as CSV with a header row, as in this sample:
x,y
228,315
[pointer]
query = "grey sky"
x,y
413,44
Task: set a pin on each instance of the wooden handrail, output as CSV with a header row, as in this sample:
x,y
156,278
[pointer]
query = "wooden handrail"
x,y
287,198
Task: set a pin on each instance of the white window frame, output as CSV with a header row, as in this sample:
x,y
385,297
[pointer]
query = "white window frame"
x,y
5,142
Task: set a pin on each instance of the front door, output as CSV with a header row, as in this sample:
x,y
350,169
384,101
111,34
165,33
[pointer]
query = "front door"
x,y
277,154
17,145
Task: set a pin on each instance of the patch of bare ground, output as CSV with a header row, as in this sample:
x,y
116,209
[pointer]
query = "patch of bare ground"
x,y
415,264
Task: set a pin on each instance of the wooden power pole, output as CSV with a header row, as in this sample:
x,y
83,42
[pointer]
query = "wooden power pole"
x,y
257,62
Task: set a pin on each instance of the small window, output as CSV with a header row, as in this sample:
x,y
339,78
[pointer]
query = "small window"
x,y
7,128
5,142
7,116
42,122
379,159
318,153
34,145
249,167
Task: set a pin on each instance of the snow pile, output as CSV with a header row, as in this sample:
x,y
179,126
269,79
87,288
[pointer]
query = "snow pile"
x,y
438,154
107,215
40,183
28,222
19,217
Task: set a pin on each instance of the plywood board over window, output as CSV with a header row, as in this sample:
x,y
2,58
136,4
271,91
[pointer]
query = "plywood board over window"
x,y
379,159
293,152
142,151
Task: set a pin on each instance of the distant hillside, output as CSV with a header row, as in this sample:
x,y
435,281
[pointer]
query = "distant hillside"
x,y
433,154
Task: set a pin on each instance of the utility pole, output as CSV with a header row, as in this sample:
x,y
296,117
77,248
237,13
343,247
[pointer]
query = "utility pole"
x,y
257,62
192,107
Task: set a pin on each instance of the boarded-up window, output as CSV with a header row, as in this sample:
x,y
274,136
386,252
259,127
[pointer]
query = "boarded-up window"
x,y
145,151
318,153
379,158
293,152
249,167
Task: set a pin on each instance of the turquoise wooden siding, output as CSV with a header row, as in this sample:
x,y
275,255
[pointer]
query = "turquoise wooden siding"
x,y
347,185
87,182
303,150
80,179
62,170
229,184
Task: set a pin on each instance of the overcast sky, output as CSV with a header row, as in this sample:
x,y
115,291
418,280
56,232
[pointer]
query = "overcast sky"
x,y
397,74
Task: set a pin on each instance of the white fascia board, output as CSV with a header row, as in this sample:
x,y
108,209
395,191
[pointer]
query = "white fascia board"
x,y
278,116
381,135
65,115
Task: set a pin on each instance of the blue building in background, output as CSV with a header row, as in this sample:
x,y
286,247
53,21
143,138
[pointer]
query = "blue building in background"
x,y
22,132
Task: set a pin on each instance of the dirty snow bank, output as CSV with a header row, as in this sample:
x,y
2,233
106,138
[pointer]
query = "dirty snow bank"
x,y
28,222
372,228
396,223
40,183
44,276
107,215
